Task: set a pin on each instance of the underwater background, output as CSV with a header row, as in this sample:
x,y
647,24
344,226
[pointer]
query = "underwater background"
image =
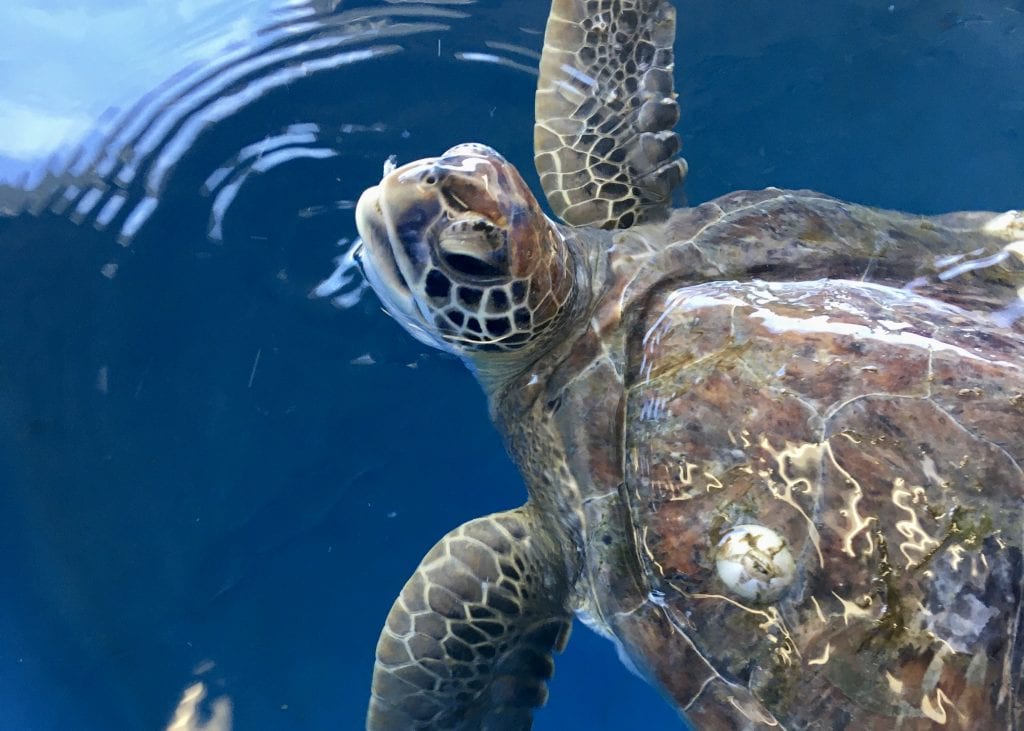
x,y
219,460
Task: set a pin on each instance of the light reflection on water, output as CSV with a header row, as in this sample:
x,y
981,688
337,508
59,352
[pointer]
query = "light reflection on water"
x,y
99,176
135,118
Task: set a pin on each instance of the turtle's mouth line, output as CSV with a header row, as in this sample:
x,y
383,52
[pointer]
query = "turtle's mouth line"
x,y
377,245
383,272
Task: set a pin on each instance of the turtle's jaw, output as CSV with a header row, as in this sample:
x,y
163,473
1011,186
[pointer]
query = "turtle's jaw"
x,y
383,271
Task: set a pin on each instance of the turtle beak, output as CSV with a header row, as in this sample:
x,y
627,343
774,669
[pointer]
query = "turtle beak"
x,y
377,253
394,219
376,215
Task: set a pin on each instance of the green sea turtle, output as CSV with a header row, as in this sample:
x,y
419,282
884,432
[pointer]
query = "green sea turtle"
x,y
773,443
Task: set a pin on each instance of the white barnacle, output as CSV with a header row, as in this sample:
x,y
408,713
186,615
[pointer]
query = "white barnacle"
x,y
754,562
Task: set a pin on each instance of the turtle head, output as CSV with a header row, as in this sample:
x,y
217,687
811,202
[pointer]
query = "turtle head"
x,y
460,253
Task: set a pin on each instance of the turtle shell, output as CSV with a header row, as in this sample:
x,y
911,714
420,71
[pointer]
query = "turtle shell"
x,y
876,437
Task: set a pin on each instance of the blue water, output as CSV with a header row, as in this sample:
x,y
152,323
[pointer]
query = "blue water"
x,y
209,475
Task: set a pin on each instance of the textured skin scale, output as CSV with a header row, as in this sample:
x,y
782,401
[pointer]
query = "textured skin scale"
x,y
850,379
460,615
605,112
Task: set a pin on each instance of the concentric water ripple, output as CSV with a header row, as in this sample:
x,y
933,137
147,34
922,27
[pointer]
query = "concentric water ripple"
x,y
115,178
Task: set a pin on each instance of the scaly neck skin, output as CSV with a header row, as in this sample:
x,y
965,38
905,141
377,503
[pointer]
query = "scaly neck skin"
x,y
498,372
516,384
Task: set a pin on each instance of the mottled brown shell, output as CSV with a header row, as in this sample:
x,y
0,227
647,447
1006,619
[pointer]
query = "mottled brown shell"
x,y
880,433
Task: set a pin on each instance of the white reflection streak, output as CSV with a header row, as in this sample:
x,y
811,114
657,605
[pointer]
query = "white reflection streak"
x,y
228,76
1014,311
821,323
295,134
579,75
431,2
224,106
267,162
186,715
513,48
66,199
299,8
109,210
195,99
159,101
220,207
298,29
227,194
345,273
499,60
88,202
968,266
258,149
217,177
136,218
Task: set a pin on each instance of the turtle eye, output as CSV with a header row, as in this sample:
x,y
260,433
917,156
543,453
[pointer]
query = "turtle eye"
x,y
474,248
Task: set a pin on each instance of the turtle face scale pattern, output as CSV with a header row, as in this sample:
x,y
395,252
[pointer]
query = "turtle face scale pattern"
x,y
462,253
773,443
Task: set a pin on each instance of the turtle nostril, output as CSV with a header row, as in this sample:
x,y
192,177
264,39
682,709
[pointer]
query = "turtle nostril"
x,y
431,176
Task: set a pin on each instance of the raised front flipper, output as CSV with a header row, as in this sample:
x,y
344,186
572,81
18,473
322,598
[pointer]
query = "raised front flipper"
x,y
467,646
604,144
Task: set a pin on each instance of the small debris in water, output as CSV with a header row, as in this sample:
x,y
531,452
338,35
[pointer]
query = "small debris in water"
x,y
255,365
342,205
375,127
364,360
